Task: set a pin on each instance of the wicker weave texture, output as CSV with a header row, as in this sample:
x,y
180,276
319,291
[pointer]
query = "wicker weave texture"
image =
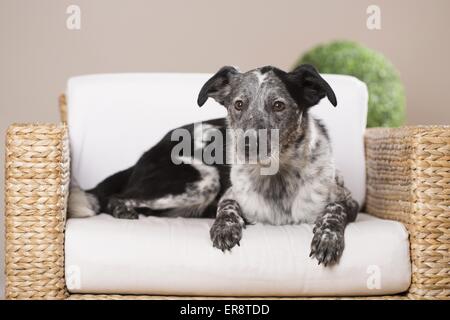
x,y
408,179
36,189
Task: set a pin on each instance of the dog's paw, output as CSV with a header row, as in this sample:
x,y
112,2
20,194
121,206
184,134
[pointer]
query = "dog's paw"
x,y
327,246
118,209
126,214
225,233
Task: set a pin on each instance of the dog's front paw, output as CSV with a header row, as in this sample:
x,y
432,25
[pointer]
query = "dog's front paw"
x,y
327,246
118,209
225,233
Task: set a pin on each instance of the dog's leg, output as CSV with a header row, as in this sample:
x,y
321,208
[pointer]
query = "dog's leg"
x,y
226,231
122,208
190,202
328,240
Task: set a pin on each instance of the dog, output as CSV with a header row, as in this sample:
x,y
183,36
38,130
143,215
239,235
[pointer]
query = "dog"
x,y
306,188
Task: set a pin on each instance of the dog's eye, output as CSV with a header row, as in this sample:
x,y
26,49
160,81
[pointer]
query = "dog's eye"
x,y
238,105
278,106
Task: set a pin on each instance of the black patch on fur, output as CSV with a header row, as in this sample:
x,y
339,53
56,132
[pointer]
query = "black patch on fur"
x,y
155,175
266,69
215,85
112,185
306,86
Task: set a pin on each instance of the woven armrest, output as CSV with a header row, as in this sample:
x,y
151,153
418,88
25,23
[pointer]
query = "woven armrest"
x,y
36,189
408,179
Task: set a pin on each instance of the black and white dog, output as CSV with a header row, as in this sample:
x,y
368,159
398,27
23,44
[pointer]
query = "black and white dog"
x,y
305,188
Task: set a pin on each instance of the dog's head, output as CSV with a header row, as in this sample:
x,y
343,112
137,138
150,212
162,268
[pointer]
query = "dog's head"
x,y
267,98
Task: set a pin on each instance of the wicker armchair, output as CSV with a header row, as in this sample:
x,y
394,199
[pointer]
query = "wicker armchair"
x,y
408,179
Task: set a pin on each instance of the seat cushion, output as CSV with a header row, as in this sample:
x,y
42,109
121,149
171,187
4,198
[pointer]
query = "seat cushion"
x,y
174,256
114,118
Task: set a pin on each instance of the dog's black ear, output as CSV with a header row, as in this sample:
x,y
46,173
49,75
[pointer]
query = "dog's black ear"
x,y
311,87
218,87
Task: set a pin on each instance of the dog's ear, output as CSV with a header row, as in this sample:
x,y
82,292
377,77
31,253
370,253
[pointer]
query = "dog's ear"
x,y
310,86
218,87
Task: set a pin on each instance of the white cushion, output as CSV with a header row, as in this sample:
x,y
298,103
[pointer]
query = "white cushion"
x,y
114,118
175,257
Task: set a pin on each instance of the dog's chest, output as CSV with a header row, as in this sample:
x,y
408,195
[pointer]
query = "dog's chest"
x,y
287,200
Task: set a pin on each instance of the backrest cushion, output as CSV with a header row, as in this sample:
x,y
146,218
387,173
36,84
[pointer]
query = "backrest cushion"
x,y
114,118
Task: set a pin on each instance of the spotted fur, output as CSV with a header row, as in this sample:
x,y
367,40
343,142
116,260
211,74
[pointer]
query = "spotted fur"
x,y
307,187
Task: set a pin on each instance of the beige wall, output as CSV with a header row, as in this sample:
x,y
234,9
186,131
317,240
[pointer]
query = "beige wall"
x,y
38,53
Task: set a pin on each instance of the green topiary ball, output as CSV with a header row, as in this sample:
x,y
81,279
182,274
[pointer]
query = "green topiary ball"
x,y
386,93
